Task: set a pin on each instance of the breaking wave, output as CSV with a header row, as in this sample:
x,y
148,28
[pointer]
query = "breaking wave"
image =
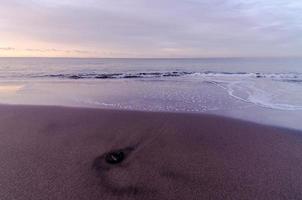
x,y
287,77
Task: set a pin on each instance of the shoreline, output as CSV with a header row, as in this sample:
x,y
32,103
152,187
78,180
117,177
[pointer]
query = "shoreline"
x,y
116,109
56,152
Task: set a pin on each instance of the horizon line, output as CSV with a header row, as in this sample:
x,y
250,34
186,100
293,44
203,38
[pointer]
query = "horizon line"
x,y
210,57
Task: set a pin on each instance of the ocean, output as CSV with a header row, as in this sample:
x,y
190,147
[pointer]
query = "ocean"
x,y
262,90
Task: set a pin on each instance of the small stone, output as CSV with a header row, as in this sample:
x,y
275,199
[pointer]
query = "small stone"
x,y
115,157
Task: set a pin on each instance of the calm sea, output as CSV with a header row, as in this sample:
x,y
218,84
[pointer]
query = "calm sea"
x,y
33,67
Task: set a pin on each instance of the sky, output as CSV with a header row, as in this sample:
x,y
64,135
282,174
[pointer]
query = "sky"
x,y
151,28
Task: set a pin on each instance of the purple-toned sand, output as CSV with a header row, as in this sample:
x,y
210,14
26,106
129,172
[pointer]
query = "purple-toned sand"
x,y
73,153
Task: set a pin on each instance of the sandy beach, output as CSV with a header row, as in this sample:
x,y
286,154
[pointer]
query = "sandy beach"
x,y
150,100
61,153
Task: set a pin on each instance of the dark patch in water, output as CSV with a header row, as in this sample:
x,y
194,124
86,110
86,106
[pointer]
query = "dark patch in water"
x,y
132,76
107,76
75,77
258,75
293,81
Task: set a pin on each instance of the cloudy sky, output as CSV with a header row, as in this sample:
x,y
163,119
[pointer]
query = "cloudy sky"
x,y
151,28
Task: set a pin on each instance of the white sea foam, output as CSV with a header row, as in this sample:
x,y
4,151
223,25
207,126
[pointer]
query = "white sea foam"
x,y
282,91
290,77
266,93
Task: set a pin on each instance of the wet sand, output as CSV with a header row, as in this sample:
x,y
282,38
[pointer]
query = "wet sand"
x,y
62,153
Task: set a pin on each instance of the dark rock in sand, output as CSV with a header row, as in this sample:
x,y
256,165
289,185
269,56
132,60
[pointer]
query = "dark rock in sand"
x,y
115,157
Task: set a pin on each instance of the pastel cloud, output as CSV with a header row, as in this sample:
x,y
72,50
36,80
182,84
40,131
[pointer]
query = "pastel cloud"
x,y
158,28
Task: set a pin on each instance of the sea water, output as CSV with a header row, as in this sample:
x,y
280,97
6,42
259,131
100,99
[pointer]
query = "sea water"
x,y
266,90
